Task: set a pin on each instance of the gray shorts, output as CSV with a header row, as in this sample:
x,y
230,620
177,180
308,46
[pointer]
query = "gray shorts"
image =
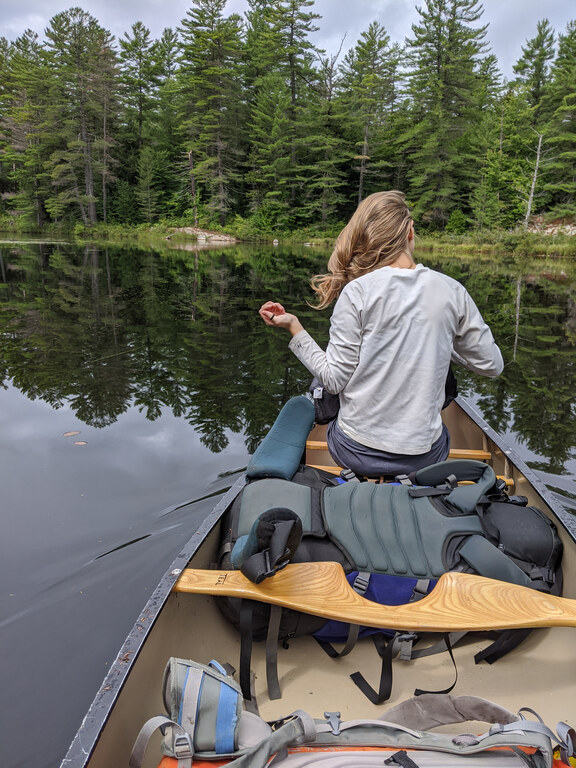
x,y
373,463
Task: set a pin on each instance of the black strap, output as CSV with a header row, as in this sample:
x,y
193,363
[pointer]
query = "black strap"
x,y
360,586
388,647
508,640
351,641
419,493
245,626
266,562
401,758
385,647
272,652
419,692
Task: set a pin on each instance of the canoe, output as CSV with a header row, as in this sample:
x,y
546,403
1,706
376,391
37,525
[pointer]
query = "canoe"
x,y
540,673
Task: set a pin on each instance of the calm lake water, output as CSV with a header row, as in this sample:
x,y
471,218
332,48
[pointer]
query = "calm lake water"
x,y
136,382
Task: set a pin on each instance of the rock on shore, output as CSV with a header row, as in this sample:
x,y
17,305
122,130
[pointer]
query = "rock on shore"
x,y
205,235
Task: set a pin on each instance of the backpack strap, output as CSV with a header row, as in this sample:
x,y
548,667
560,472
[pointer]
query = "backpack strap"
x,y
360,585
401,644
489,561
385,647
401,759
180,741
272,638
432,710
270,545
245,629
565,736
443,478
298,728
506,642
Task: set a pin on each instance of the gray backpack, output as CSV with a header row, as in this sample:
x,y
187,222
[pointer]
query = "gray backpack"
x,y
206,720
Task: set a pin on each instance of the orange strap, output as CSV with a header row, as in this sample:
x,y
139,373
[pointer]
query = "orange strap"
x,y
171,762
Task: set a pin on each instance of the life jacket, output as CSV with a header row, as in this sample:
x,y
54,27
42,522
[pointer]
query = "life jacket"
x,y
206,722
394,540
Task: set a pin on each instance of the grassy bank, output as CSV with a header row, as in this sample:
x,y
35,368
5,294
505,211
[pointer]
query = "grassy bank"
x,y
499,243
503,243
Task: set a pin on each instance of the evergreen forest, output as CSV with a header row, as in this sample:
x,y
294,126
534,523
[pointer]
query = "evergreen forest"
x,y
241,123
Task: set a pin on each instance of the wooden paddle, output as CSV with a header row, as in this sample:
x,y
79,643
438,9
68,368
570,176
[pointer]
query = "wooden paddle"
x,y
459,602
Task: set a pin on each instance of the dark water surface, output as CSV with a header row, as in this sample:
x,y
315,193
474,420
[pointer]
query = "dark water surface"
x,y
135,384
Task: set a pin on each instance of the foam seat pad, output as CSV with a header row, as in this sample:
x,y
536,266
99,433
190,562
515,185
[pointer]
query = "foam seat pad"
x,y
280,453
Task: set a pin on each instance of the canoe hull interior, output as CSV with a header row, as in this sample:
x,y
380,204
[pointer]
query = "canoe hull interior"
x,y
540,674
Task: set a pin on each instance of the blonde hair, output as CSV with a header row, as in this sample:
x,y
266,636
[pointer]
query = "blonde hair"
x,y
375,236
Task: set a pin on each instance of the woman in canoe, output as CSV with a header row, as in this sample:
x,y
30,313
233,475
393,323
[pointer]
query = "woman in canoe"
x,y
394,330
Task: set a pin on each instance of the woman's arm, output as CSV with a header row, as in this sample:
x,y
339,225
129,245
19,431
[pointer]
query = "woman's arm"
x,y
335,366
474,345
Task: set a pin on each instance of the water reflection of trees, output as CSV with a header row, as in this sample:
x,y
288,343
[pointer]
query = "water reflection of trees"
x,y
531,310
103,329
106,329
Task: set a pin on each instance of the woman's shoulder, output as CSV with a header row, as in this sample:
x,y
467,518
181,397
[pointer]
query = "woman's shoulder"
x,y
421,274
441,278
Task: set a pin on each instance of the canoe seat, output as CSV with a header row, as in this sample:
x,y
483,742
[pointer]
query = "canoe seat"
x,y
455,453
476,454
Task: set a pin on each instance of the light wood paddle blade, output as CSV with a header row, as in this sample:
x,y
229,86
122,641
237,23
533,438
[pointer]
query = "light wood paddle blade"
x,y
459,602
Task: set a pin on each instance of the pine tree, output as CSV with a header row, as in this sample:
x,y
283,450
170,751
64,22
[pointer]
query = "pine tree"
x,y
22,141
106,84
323,149
164,126
270,163
560,101
500,198
534,64
292,23
370,90
445,56
150,164
140,77
4,100
77,52
263,44
211,93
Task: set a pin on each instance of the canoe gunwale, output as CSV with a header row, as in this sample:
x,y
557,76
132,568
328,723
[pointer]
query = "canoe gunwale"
x,y
567,520
86,738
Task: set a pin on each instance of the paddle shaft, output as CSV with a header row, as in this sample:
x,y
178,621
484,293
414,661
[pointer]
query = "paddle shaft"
x,y
459,602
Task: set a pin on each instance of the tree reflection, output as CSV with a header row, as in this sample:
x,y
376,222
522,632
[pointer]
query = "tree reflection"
x,y
105,329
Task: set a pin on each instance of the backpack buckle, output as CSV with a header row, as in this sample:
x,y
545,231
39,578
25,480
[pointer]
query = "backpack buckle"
x,y
182,746
405,642
269,569
542,574
361,582
333,720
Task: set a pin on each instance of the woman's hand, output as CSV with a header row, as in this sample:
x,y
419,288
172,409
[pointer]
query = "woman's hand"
x,y
275,316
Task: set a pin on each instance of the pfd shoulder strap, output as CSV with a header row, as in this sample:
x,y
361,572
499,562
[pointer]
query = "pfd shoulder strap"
x,y
489,561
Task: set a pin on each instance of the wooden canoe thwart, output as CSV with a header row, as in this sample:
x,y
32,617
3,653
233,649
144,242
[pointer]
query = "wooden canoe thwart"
x,y
459,602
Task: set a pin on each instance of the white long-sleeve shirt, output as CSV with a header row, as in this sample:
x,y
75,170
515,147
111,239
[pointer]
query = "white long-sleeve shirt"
x,y
393,333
